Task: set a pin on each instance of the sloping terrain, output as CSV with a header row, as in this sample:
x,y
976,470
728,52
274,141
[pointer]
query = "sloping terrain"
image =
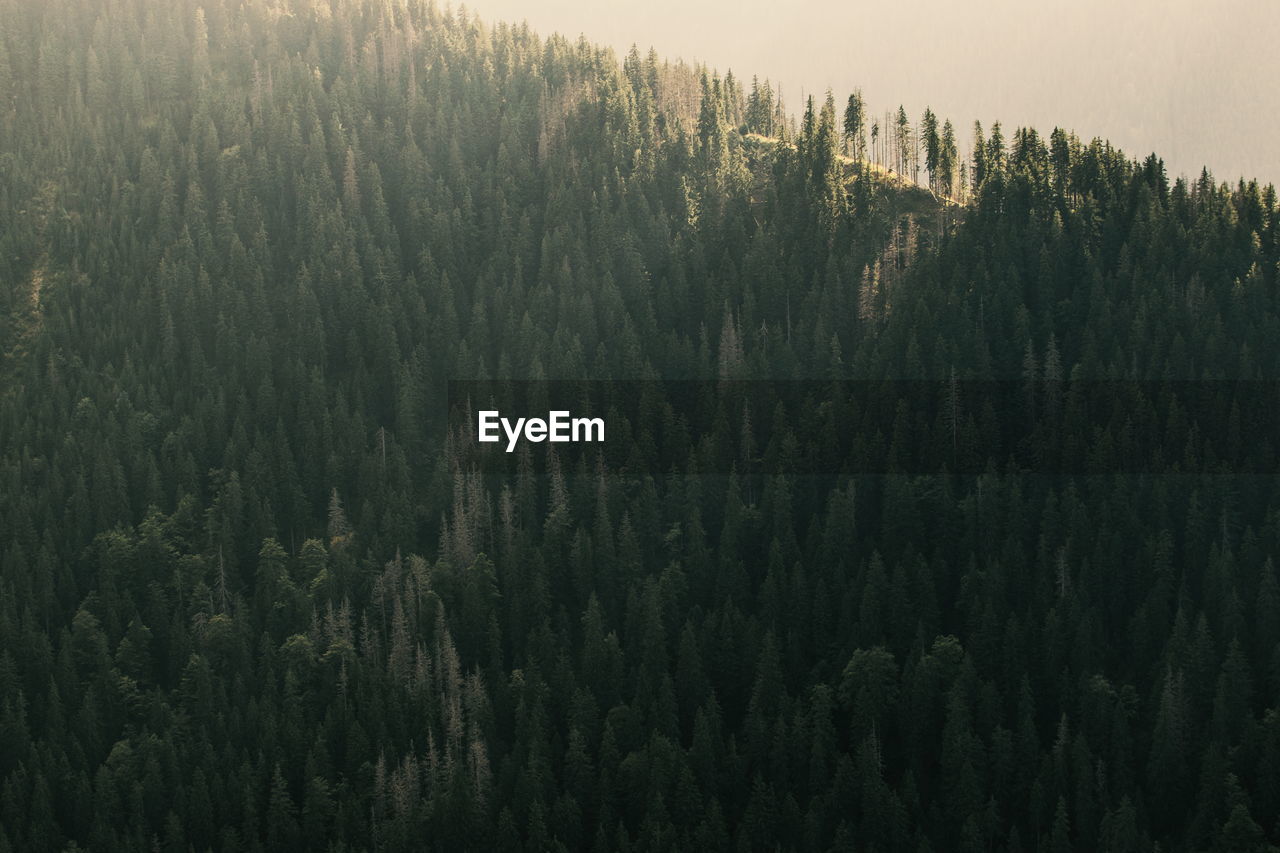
x,y
251,600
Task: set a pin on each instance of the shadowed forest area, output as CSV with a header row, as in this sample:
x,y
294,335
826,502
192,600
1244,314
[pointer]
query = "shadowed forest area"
x,y
250,601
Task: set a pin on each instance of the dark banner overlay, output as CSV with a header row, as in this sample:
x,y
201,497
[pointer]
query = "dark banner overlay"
x,y
863,427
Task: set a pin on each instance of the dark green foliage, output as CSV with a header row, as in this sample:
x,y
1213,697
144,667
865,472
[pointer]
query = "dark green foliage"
x,y
249,601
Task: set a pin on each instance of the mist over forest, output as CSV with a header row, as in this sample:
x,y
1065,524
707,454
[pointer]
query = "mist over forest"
x,y
965,537
1194,82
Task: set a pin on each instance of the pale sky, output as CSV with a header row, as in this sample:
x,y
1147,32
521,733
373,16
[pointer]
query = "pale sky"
x,y
1196,82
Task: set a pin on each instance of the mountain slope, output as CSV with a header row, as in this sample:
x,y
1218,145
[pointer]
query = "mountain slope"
x,y
251,602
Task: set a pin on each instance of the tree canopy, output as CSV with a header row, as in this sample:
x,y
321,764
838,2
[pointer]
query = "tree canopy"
x,y
249,602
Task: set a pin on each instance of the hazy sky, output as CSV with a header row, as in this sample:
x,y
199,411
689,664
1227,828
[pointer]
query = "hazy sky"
x,y
1196,82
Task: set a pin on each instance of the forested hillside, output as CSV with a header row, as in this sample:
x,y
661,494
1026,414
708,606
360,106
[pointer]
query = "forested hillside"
x,y
249,600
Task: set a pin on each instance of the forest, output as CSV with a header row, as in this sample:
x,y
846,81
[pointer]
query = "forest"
x,y
254,596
